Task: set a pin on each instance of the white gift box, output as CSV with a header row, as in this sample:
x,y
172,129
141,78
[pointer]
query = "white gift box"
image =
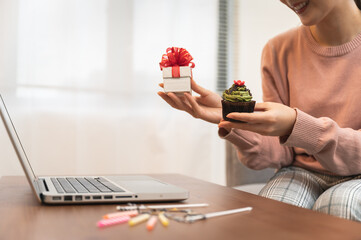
x,y
179,84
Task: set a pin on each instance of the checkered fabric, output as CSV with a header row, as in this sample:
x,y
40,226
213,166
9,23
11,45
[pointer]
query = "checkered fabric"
x,y
334,195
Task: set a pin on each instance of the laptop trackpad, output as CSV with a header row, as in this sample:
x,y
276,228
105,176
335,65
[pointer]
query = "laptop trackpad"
x,y
142,184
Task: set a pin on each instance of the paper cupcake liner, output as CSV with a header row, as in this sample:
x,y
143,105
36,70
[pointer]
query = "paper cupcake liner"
x,y
228,107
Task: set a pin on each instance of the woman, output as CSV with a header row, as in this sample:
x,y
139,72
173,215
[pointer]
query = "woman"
x,y
308,126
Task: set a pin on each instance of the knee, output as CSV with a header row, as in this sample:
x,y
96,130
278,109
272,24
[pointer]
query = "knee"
x,y
340,202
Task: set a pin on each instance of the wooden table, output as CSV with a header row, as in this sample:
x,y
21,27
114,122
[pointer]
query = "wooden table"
x,y
22,217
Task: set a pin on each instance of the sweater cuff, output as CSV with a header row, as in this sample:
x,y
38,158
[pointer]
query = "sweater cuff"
x,y
241,138
306,133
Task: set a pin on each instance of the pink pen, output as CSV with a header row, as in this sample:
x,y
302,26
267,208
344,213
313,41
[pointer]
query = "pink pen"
x,y
113,221
120,214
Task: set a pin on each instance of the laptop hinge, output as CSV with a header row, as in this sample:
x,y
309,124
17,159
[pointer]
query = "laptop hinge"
x,y
42,185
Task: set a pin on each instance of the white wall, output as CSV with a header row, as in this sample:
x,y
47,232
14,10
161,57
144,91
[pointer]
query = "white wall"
x,y
260,20
106,133
94,133
84,78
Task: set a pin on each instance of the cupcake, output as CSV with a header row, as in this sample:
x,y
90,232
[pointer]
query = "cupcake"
x,y
237,99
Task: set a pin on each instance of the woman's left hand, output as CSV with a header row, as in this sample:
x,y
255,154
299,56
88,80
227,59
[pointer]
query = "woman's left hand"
x,y
271,119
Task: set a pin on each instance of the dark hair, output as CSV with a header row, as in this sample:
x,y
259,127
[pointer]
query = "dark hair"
x,y
358,3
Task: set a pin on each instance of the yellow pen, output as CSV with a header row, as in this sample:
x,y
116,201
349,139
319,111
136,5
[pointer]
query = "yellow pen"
x,y
138,219
163,219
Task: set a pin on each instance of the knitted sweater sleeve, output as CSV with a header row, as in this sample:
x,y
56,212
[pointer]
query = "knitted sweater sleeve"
x,y
337,149
254,150
257,151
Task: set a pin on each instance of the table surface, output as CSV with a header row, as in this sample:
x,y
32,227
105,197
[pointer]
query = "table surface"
x,y
22,217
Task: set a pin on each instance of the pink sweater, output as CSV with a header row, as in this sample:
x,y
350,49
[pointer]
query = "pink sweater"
x,y
323,84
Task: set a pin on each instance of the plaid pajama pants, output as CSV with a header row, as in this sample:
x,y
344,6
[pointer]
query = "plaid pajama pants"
x,y
334,195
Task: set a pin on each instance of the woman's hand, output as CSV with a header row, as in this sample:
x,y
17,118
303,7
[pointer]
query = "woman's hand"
x,y
273,119
207,106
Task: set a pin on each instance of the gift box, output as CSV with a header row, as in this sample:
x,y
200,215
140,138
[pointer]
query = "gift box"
x,y
177,70
177,79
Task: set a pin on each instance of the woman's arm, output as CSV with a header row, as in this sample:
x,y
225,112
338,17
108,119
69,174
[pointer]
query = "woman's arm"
x,y
257,151
337,149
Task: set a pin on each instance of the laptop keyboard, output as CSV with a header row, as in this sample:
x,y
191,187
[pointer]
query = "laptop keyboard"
x,y
84,185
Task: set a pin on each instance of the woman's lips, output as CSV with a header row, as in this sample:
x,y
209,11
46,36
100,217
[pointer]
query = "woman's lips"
x,y
299,7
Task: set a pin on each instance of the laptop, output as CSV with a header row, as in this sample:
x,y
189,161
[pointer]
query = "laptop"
x,y
90,189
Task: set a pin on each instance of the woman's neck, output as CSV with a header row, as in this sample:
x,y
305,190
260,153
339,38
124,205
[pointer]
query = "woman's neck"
x,y
339,27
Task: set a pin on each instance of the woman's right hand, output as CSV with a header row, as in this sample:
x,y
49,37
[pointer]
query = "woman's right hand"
x,y
207,106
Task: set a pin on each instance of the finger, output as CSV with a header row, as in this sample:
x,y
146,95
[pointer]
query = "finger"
x,y
181,104
228,129
257,128
228,125
167,99
193,103
255,117
198,89
263,106
161,85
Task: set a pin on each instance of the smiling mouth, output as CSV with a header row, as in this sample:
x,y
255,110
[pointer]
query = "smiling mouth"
x,y
299,7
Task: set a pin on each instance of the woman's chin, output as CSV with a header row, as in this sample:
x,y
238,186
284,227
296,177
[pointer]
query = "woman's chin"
x,y
307,21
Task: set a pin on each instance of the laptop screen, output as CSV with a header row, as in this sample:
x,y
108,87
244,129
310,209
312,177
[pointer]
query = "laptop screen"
x,y
16,142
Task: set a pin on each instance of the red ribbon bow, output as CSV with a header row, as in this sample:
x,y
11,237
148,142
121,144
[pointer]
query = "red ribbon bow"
x,y
174,58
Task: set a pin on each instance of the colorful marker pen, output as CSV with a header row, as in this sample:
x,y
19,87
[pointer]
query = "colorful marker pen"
x,y
163,219
151,223
139,219
120,214
112,221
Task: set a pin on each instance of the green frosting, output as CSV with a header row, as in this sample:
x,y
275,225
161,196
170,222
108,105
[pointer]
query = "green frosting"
x,y
237,94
